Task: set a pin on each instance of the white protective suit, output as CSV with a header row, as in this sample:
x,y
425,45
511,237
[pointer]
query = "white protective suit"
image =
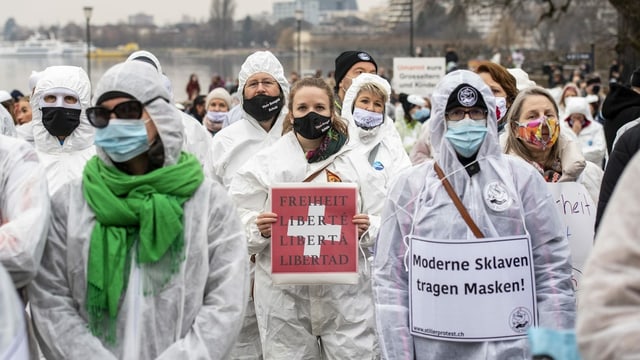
x,y
232,147
591,137
7,127
63,162
607,324
291,317
25,131
24,210
197,140
13,332
377,154
238,142
197,314
419,205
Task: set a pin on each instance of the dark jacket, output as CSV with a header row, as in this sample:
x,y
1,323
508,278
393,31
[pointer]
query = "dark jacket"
x,y
620,106
627,146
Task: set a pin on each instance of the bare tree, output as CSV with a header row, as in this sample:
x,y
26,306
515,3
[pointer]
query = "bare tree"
x,y
221,19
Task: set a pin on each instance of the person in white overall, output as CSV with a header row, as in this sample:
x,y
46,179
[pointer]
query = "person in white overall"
x,y
451,267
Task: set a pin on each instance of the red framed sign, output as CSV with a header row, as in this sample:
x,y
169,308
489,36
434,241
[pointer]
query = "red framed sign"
x,y
314,240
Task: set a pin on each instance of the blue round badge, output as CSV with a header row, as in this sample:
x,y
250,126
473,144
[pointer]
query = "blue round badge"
x,y
378,165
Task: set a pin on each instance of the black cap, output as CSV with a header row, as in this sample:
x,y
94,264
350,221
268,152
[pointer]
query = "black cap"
x,y
17,95
347,59
465,95
112,95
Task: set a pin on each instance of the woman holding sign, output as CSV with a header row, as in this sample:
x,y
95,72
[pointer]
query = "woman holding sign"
x,y
470,253
324,320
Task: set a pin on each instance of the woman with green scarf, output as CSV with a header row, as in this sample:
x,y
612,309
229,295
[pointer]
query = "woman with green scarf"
x,y
305,321
144,255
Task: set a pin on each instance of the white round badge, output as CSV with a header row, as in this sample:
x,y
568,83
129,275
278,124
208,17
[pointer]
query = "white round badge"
x,y
467,96
497,197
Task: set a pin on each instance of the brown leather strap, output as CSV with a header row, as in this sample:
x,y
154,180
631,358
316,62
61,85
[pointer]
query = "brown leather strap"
x,y
456,201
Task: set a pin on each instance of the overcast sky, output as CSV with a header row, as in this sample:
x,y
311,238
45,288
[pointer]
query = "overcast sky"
x,y
60,12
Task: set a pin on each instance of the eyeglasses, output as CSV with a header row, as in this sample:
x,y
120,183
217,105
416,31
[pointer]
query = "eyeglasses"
x,y
268,84
458,114
132,109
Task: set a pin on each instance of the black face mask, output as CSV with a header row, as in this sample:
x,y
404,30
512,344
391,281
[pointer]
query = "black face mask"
x,y
312,125
263,107
156,153
60,121
595,89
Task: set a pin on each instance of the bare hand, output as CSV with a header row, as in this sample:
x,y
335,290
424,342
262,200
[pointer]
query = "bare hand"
x,y
264,221
362,221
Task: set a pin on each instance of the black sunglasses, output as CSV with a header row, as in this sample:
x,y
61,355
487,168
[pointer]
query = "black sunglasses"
x,y
132,109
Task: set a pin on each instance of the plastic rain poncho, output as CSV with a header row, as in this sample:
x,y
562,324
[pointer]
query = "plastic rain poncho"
x,y
238,142
418,204
377,154
7,127
63,162
292,317
24,210
232,147
197,315
196,139
607,325
13,332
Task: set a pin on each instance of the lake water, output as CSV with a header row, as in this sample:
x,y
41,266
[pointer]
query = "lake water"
x,y
15,72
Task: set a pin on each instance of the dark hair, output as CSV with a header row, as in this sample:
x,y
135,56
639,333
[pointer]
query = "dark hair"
x,y
199,100
337,123
500,75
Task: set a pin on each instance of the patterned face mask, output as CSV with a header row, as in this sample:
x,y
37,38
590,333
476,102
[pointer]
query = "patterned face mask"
x,y
531,132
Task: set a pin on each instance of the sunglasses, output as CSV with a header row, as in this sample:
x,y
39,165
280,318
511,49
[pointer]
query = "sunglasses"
x,y
132,109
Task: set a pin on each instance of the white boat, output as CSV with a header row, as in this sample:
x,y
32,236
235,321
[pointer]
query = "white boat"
x,y
38,45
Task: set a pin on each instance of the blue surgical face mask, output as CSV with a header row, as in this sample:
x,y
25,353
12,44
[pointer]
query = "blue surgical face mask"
x,y
422,114
466,135
122,139
367,119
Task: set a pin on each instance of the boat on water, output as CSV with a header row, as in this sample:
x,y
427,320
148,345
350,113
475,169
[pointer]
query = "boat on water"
x,y
120,51
39,45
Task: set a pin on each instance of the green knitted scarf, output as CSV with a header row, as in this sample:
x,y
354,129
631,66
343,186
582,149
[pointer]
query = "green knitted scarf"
x,y
141,210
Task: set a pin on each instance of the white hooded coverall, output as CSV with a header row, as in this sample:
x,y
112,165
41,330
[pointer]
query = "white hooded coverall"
x,y
197,315
419,205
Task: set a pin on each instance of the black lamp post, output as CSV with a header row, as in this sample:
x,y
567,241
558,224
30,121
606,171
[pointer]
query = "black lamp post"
x,y
87,15
299,16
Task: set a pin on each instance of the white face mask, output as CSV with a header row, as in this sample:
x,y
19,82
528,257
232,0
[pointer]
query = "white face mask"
x,y
501,107
367,119
60,94
217,116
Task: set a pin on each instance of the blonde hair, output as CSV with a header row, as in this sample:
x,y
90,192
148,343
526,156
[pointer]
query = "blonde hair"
x,y
337,123
514,144
374,89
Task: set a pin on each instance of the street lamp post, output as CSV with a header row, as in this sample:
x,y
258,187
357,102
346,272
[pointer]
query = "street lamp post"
x,y
411,48
299,16
87,15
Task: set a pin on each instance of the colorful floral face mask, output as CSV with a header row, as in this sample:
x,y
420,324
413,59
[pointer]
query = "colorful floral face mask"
x,y
531,132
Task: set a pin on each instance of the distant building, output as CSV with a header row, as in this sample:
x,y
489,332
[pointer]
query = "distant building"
x,y
141,19
314,10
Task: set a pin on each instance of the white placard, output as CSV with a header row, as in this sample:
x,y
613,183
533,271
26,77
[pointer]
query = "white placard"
x,y
578,213
480,290
417,75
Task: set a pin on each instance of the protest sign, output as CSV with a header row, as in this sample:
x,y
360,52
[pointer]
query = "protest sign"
x,y
417,75
578,213
480,290
314,240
